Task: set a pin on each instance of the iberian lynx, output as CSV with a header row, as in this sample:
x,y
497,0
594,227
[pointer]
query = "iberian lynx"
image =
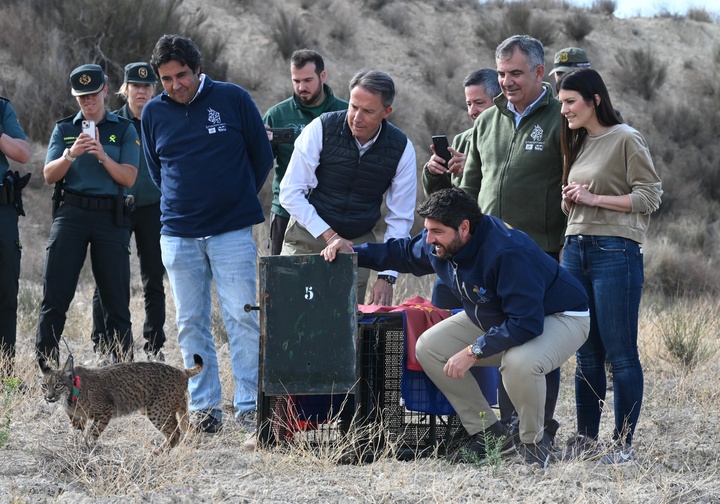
x,y
98,395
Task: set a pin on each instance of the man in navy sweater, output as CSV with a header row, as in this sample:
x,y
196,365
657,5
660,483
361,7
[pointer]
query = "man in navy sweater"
x,y
521,311
208,152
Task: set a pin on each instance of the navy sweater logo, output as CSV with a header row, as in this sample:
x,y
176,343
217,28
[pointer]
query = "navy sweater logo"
x,y
216,123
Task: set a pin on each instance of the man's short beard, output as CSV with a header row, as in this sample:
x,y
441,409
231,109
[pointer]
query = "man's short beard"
x,y
452,249
311,101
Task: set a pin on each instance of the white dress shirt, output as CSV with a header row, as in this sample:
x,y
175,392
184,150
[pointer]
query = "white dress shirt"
x,y
300,179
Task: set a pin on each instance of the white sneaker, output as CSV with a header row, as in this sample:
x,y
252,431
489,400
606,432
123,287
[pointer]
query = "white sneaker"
x,y
619,455
158,356
250,443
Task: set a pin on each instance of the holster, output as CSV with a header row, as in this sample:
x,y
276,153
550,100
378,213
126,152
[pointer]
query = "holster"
x,y
57,196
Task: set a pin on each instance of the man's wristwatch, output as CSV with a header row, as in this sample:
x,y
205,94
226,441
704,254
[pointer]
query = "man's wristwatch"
x,y
388,278
66,155
474,351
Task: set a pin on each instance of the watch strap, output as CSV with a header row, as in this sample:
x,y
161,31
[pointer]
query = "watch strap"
x,y
388,278
471,353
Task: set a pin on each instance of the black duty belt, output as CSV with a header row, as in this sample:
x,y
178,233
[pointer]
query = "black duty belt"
x,y
89,202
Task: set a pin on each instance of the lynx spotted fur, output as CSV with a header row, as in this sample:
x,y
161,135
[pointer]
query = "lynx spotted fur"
x,y
154,389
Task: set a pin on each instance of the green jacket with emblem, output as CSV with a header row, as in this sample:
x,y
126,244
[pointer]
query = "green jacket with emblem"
x,y
516,174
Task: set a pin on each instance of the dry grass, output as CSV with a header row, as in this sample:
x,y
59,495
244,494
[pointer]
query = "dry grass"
x,y
43,460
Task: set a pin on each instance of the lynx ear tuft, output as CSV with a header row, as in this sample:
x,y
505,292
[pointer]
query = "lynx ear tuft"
x,y
42,362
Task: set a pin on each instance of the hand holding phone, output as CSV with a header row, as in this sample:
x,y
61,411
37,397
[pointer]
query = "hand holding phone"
x,y
88,127
281,135
440,142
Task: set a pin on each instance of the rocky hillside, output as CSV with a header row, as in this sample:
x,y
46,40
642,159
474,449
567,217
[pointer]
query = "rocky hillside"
x,y
428,48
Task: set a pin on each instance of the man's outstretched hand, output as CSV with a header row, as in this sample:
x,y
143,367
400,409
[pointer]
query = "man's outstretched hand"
x,y
335,245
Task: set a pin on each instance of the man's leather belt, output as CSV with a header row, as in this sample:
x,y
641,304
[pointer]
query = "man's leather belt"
x,y
89,202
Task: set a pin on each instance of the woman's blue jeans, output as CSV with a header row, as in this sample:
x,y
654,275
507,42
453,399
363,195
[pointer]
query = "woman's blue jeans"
x,y
611,270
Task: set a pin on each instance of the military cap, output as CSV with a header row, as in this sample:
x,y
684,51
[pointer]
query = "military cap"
x,y
87,79
566,60
139,72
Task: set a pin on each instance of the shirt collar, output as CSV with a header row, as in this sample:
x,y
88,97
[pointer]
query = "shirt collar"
x,y
519,116
200,88
363,148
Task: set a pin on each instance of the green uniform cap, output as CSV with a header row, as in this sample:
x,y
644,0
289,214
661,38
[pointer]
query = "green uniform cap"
x,y
566,60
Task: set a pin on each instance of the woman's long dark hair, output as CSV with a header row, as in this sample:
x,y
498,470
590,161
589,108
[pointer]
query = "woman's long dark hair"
x,y
588,83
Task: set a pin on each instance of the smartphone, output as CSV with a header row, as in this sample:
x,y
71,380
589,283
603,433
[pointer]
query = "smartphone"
x,y
282,135
88,127
440,142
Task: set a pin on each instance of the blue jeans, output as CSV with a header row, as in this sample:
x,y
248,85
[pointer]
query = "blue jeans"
x,y
192,264
611,270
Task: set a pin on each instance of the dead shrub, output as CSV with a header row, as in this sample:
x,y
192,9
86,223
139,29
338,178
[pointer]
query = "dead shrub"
x,y
376,4
607,7
343,25
289,34
578,26
109,34
700,15
640,71
517,18
672,270
443,122
394,17
687,328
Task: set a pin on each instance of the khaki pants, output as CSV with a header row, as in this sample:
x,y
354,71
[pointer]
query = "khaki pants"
x,y
523,369
299,241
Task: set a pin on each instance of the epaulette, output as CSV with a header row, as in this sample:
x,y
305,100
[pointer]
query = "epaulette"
x,y
66,119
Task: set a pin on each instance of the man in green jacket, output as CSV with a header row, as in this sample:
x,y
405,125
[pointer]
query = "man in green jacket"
x,y
481,86
514,165
311,98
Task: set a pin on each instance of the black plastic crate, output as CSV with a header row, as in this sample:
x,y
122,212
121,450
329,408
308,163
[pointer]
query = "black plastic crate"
x,y
407,432
375,415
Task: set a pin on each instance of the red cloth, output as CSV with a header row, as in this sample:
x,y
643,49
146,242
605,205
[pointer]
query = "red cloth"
x,y
420,314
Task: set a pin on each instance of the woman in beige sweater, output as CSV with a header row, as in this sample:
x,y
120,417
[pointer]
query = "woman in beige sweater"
x,y
610,188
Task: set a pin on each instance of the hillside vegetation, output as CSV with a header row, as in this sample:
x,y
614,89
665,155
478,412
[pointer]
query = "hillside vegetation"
x,y
663,74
